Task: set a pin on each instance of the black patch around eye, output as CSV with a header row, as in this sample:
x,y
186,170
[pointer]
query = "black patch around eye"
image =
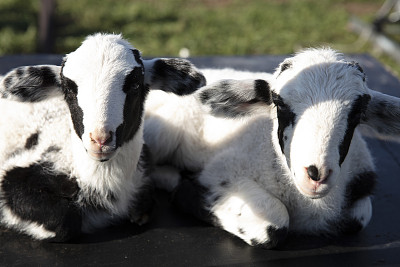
x,y
133,106
353,119
70,90
133,80
286,117
76,113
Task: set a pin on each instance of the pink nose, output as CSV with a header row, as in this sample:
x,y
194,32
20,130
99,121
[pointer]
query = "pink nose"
x,y
101,138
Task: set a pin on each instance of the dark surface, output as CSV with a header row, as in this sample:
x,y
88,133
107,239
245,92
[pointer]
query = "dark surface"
x,y
174,239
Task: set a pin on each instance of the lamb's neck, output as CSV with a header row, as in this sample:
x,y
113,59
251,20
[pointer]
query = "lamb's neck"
x,y
114,175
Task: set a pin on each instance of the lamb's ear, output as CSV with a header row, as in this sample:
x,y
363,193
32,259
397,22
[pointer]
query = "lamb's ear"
x,y
31,83
383,114
173,75
234,98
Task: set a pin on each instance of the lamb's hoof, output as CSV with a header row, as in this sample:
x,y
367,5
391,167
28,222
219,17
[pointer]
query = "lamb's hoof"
x,y
276,237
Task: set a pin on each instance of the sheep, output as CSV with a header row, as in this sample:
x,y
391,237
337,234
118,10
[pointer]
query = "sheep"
x,y
265,158
72,154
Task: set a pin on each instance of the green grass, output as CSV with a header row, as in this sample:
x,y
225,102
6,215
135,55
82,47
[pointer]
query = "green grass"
x,y
205,27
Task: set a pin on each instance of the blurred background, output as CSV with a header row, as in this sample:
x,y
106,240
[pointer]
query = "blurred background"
x,y
203,27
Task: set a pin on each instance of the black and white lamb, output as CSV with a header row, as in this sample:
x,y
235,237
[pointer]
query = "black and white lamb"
x,y
72,153
263,158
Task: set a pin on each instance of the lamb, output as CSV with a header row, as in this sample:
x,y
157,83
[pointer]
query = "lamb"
x,y
262,158
72,153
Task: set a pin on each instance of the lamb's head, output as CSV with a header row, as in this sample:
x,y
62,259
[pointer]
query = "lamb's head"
x,y
103,85
104,82
316,100
320,99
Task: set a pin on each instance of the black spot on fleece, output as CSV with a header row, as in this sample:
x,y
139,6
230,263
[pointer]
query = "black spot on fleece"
x,y
37,194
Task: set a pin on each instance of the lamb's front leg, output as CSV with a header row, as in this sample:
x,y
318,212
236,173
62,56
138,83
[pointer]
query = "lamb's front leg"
x,y
142,205
243,209
249,212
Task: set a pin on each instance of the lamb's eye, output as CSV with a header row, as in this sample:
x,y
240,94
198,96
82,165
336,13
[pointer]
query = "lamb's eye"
x,y
133,88
133,81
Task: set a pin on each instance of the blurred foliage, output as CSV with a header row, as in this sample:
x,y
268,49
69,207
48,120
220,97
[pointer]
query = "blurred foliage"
x,y
18,26
205,27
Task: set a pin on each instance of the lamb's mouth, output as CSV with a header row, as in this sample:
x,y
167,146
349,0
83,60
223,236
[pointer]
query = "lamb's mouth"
x,y
315,191
101,156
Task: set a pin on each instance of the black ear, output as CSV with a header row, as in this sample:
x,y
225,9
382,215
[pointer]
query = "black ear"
x,y
234,98
173,75
31,83
357,66
286,64
383,114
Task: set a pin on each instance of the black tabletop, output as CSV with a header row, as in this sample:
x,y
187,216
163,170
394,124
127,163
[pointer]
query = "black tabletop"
x,y
175,239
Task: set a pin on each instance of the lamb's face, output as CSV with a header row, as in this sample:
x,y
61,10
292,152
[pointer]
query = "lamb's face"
x,y
103,83
319,102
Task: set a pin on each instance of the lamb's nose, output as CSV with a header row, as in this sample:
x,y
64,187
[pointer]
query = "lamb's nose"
x,y
313,173
101,138
317,175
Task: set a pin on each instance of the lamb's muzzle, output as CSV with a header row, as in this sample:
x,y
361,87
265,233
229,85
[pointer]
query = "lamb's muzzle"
x,y
101,148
